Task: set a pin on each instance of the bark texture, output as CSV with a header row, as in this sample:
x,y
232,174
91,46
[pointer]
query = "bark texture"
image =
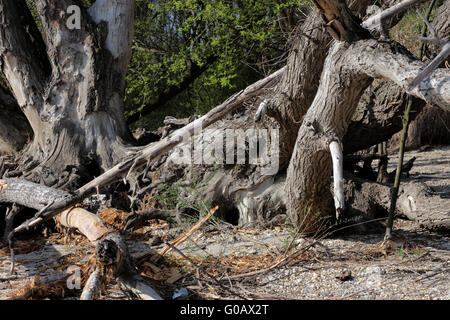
x,y
308,175
416,201
378,116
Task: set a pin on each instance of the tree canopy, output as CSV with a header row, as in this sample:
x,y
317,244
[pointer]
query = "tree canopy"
x,y
190,55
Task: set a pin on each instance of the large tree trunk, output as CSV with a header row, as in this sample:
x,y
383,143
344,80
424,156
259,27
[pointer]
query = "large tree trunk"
x,y
69,87
350,66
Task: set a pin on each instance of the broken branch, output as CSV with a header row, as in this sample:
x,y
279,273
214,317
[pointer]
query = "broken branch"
x,y
185,235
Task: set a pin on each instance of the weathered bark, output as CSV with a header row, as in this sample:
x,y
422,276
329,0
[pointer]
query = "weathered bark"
x,y
378,116
326,121
92,287
298,85
75,111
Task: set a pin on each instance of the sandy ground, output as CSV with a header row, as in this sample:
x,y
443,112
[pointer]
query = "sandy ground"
x,y
245,262
431,167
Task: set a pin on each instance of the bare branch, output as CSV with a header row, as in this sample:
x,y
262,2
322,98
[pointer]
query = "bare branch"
x,y
445,52
374,21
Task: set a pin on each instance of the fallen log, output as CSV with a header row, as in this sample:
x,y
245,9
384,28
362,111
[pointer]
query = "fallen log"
x,y
111,251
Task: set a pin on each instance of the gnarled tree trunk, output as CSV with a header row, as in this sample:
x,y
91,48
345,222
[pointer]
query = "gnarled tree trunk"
x,y
70,86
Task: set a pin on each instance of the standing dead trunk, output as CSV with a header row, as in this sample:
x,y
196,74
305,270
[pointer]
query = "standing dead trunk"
x,y
71,87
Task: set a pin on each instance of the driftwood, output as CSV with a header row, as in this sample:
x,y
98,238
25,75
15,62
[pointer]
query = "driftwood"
x,y
110,250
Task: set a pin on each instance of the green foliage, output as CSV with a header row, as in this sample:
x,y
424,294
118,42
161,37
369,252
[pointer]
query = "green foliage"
x,y
232,42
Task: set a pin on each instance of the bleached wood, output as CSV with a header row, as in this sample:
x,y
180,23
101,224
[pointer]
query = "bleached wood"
x,y
379,61
445,52
338,176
